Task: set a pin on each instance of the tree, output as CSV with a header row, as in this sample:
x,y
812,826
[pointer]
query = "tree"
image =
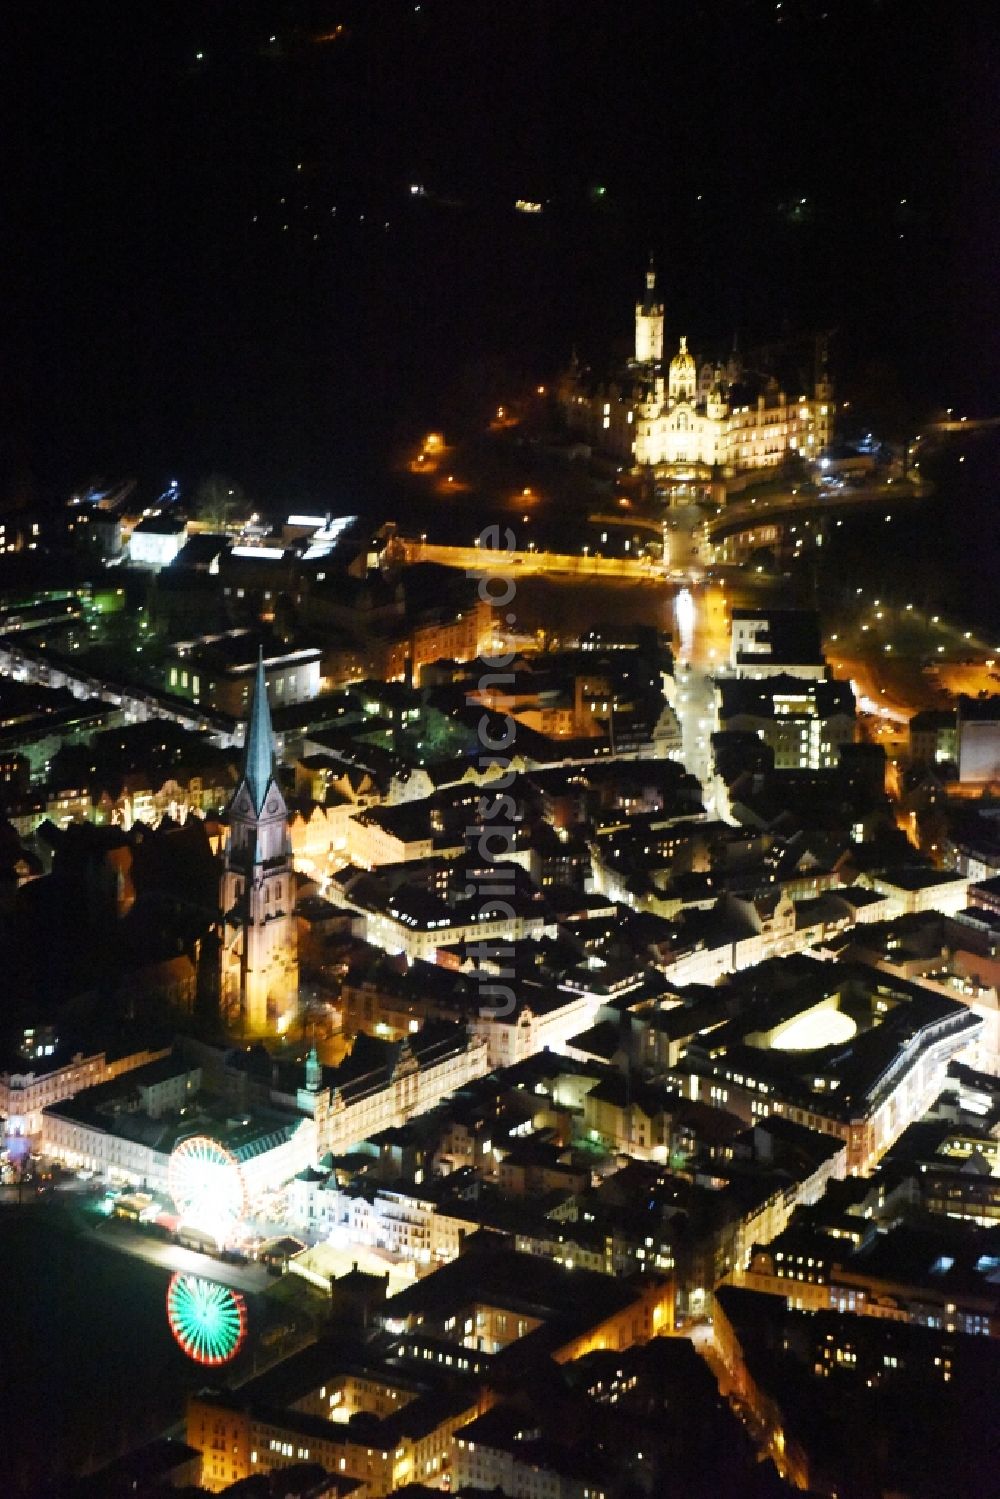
x,y
218,500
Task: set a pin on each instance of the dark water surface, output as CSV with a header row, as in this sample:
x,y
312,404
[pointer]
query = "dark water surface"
x,y
88,1366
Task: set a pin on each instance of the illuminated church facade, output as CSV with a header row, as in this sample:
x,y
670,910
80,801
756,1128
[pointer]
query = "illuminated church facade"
x,y
697,417
259,979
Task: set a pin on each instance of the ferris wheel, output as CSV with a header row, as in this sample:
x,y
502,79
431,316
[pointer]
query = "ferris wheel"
x,y
206,1183
208,1320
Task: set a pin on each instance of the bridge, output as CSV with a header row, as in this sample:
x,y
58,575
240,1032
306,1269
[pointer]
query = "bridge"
x,y
518,564
966,424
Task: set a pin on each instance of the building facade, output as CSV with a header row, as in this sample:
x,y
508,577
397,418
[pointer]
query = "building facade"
x,y
804,723
429,1066
214,669
24,1094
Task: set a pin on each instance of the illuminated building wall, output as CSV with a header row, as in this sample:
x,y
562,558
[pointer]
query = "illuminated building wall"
x,y
397,1220
876,1119
450,1307
852,1287
464,638
979,741
99,1148
346,1393
201,675
374,839
397,933
416,1085
678,429
318,834
222,1436
173,797
108,1130
156,540
236,1443
803,722
511,1038
934,891
23,1095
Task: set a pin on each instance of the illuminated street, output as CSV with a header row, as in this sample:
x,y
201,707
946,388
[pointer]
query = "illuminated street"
x,y
702,635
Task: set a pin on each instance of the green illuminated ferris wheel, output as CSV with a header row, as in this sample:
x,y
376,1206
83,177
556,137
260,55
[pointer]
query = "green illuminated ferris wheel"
x,y
208,1320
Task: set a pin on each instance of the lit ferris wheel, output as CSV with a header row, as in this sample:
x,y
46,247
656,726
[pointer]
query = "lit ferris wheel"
x,y
208,1320
206,1183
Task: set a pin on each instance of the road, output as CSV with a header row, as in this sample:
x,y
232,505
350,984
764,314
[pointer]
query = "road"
x,y
702,634
773,509
695,713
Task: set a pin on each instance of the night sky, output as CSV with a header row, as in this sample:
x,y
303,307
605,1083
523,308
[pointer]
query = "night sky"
x,y
160,319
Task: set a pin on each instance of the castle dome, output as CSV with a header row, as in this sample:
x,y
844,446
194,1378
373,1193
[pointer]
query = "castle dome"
x,y
683,374
683,361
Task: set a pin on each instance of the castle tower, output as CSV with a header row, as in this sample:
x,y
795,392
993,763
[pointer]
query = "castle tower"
x,y
823,386
716,405
259,960
824,407
649,322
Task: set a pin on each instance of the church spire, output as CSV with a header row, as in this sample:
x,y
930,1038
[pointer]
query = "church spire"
x,y
258,750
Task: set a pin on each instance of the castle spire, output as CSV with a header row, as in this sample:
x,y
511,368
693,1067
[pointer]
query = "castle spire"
x,y
258,750
650,303
649,321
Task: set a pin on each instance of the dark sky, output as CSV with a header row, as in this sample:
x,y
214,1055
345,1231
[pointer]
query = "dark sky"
x,y
160,318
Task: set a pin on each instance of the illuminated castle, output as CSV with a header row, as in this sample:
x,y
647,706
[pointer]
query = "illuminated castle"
x,y
259,981
690,417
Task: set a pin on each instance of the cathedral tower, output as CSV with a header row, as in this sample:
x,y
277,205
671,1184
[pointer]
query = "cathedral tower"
x,y
260,971
649,322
